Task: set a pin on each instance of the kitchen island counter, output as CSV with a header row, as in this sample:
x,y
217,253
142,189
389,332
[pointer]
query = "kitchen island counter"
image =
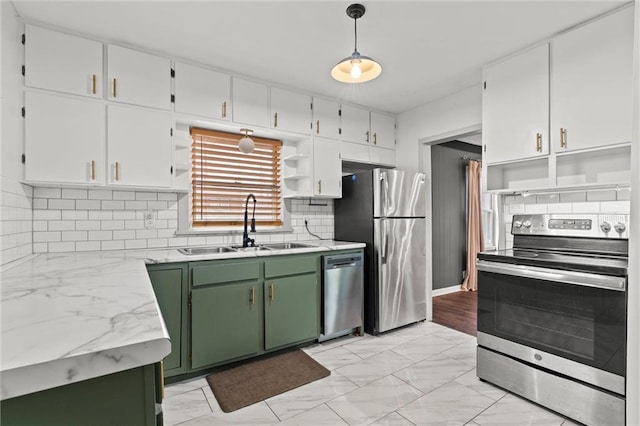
x,y
70,317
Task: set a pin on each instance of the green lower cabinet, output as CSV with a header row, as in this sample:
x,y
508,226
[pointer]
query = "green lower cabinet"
x,y
226,316
291,310
170,286
123,398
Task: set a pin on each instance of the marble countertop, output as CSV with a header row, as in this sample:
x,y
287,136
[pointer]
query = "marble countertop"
x,y
73,316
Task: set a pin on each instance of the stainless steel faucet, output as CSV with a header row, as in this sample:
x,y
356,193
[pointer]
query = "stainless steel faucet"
x,y
246,241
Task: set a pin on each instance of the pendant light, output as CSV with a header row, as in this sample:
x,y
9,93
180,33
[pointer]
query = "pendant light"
x,y
246,144
356,68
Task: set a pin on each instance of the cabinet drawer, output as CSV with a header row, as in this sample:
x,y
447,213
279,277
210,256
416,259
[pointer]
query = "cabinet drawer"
x,y
290,266
224,272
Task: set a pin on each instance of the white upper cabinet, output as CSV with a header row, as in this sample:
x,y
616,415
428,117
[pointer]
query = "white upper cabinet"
x,y
515,107
138,78
202,92
250,103
355,124
383,130
327,168
63,62
591,72
139,150
64,139
290,111
326,118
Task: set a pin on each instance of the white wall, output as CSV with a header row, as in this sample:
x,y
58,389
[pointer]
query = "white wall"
x,y
633,334
15,198
436,119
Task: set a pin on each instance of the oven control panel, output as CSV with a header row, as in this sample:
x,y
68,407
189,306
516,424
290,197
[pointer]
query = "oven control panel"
x,y
574,225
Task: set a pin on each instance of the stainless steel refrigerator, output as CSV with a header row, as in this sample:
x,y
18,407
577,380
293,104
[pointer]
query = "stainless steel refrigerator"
x,y
386,209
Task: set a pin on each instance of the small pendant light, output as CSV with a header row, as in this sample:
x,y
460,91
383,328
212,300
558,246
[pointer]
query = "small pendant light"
x,y
356,68
246,144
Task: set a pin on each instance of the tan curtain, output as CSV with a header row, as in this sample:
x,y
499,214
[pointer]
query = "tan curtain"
x,y
475,243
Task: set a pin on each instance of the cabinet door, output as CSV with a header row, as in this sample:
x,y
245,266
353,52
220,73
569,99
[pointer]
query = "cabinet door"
x,y
350,151
138,78
383,130
591,91
515,107
290,111
139,147
225,322
203,92
327,168
64,139
291,310
383,156
169,285
62,62
250,103
355,124
326,118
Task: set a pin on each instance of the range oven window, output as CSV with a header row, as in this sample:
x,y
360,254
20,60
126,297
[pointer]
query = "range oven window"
x,y
584,324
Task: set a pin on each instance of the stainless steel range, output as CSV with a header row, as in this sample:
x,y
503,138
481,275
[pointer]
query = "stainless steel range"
x,y
552,314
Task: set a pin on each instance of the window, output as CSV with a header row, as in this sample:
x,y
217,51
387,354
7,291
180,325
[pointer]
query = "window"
x,y
222,177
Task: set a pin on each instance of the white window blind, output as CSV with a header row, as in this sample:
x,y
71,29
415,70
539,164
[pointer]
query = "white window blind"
x,y
222,177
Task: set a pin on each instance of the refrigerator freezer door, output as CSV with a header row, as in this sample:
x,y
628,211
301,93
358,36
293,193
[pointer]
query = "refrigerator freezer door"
x,y
400,252
398,194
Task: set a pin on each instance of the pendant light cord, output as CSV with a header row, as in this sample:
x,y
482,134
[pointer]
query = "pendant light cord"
x,y
355,30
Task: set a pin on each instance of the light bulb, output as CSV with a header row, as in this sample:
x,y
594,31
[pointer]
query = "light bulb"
x,y
356,71
246,145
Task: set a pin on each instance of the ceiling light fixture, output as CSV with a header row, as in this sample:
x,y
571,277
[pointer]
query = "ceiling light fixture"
x,y
356,68
246,144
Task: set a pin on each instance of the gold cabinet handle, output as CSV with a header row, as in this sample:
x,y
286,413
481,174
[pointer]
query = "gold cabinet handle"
x,y
275,120
115,87
272,292
318,127
117,173
563,138
375,139
224,109
367,136
252,295
93,169
93,84
539,142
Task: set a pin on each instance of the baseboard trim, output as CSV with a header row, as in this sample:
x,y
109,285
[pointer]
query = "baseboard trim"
x,y
445,290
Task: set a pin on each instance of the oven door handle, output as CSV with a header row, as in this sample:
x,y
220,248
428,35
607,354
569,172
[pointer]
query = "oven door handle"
x,y
555,275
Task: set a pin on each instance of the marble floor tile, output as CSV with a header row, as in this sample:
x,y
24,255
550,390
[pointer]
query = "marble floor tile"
x,y
464,352
393,419
472,381
454,335
419,329
318,416
211,399
306,397
184,386
423,347
335,358
451,403
374,367
432,373
334,343
256,415
374,401
512,410
374,345
184,406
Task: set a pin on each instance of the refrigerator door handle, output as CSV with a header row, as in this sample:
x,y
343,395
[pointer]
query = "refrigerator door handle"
x,y
384,193
385,242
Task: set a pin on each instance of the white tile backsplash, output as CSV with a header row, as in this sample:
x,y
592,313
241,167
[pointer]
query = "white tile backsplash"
x,y
101,219
16,220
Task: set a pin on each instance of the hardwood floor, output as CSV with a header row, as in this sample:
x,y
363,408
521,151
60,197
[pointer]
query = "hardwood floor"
x,y
457,310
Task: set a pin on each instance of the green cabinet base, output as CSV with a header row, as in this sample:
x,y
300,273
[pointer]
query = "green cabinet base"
x,y
123,398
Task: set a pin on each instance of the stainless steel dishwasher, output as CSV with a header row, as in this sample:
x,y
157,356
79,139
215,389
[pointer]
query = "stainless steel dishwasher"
x,y
342,295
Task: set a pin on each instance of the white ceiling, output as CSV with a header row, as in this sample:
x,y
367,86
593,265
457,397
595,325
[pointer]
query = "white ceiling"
x,y
427,49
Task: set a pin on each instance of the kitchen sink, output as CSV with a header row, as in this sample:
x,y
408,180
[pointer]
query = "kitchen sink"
x,y
256,248
205,250
287,246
